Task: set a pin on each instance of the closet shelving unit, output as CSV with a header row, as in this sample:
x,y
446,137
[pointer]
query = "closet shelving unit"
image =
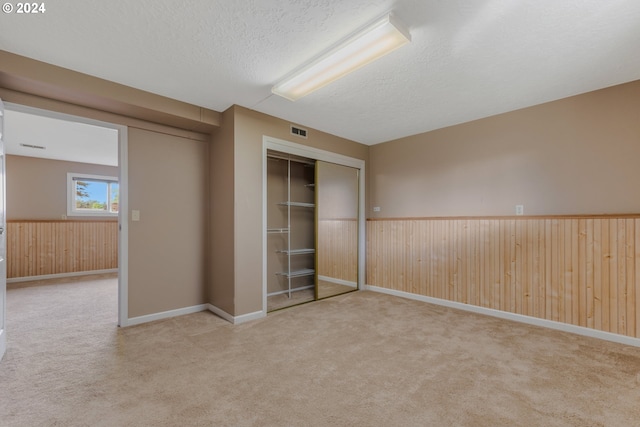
x,y
290,273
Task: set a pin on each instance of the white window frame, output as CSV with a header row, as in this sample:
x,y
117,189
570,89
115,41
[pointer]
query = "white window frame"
x,y
71,194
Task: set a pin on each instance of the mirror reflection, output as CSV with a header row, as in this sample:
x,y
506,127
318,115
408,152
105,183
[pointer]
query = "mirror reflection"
x,y
337,229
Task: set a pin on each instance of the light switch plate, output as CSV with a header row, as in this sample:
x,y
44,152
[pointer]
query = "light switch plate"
x,y
135,215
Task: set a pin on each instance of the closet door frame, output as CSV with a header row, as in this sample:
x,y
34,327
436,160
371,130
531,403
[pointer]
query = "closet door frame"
x,y
288,147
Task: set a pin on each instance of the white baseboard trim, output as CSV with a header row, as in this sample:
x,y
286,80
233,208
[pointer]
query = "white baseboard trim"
x,y
236,320
60,275
338,281
220,312
244,318
579,330
165,315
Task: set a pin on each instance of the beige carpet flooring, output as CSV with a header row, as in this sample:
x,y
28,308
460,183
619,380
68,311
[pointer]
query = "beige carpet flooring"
x,y
360,359
330,289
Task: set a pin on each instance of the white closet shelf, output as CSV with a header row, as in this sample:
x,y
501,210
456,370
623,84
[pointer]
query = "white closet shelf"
x,y
277,230
299,204
298,273
297,251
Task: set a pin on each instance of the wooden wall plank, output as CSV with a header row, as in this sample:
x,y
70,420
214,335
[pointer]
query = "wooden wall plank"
x,y
539,278
597,274
556,272
606,284
622,275
510,270
612,279
589,273
580,306
36,248
548,271
563,251
575,275
636,304
527,261
503,262
630,296
582,271
471,260
463,254
495,267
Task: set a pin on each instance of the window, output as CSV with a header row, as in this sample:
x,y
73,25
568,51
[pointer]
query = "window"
x,y
92,195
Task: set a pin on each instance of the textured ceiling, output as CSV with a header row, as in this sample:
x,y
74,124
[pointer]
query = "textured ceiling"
x,y
467,59
60,139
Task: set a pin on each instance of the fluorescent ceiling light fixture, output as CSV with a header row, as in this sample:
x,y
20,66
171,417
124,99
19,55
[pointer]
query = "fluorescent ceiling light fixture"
x,y
363,47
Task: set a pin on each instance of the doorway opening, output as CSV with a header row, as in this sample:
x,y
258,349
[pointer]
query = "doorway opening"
x,y
66,199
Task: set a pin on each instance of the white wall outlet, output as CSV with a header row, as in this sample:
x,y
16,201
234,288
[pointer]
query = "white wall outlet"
x,y
135,215
519,209
376,208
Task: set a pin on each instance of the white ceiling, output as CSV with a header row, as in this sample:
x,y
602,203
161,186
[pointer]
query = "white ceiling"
x,y
61,139
467,60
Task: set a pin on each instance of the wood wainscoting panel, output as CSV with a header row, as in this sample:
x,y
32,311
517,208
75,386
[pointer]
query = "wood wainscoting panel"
x,y
582,270
38,248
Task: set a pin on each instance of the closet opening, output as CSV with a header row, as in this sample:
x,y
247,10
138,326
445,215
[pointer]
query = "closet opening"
x,y
313,224
291,246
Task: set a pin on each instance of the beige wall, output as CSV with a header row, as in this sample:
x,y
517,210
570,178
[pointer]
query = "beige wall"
x,y
168,184
250,126
573,156
37,188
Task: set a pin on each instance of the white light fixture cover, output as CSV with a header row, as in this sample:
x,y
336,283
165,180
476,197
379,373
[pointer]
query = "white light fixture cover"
x,y
365,46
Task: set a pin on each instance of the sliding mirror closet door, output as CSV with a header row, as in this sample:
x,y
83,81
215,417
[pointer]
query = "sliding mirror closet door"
x,y
337,229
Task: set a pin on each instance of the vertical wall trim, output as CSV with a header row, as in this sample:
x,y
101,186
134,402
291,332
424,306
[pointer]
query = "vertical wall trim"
x,y
123,220
264,225
362,228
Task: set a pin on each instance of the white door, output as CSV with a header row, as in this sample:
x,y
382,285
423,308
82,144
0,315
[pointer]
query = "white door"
x,y
3,242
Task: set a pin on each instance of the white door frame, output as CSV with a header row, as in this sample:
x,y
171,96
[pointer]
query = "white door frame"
x,y
271,143
123,238
3,240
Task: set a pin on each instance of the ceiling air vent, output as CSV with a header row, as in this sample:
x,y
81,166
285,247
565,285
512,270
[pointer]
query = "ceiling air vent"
x,y
37,147
298,132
